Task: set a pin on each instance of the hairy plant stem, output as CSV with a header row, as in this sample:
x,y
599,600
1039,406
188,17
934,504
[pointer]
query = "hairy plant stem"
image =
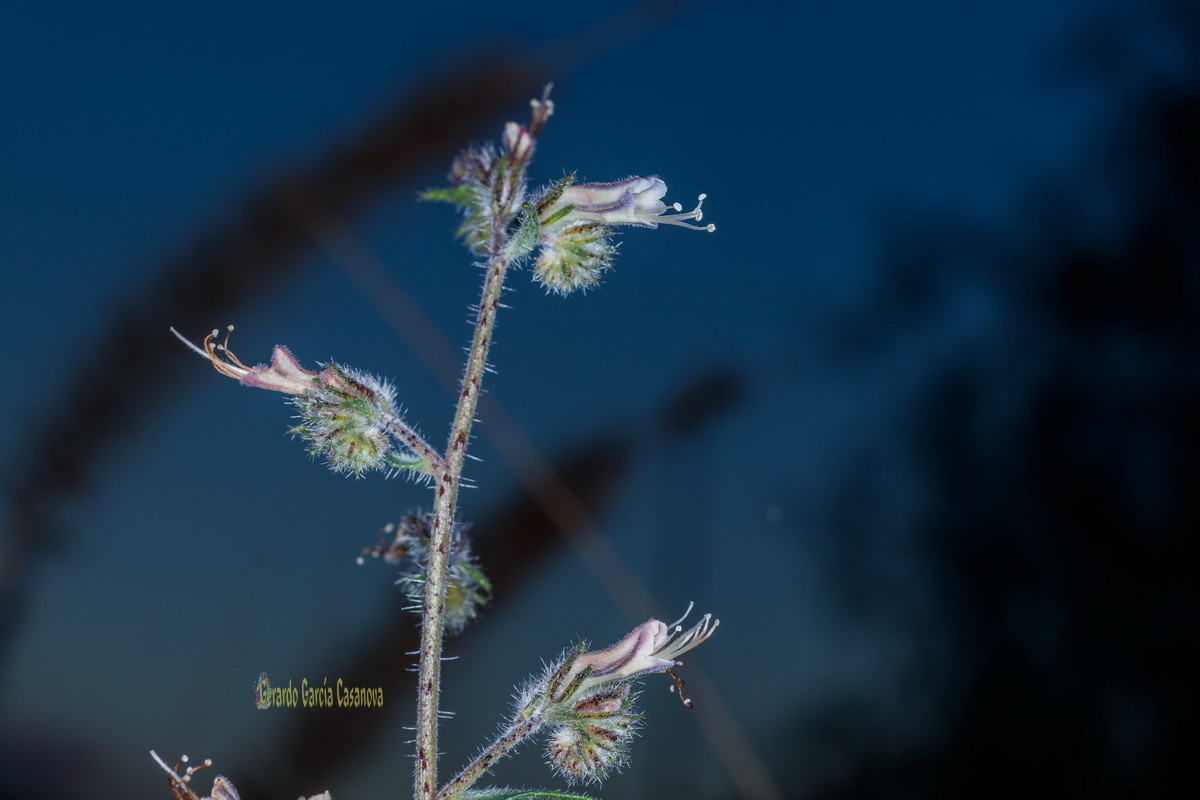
x,y
446,499
484,761
413,441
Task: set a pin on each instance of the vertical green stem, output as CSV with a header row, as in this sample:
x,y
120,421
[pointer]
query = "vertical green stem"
x,y
429,676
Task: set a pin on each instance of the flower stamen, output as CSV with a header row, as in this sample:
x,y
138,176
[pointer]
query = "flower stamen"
x,y
224,347
681,220
676,644
677,624
234,370
678,688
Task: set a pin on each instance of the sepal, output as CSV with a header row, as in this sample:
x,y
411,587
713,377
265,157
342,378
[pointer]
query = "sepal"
x,y
398,460
525,237
461,196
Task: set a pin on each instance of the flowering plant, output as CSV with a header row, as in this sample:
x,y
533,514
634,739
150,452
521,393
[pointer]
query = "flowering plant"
x,y
584,701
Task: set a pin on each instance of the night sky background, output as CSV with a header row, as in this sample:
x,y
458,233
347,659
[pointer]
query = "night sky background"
x,y
920,422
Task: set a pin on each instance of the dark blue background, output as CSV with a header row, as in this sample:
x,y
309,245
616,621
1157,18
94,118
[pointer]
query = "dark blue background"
x,y
844,148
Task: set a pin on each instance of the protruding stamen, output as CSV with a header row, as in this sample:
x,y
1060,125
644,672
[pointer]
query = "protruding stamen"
x,y
237,362
190,346
163,764
676,624
681,220
678,688
678,644
230,366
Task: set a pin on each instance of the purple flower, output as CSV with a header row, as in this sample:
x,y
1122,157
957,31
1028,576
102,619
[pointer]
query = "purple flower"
x,y
633,201
651,647
283,374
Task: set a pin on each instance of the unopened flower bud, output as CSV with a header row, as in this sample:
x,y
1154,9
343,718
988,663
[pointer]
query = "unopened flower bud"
x,y
518,144
473,166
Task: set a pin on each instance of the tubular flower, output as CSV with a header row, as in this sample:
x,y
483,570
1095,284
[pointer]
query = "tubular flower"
x,y
585,699
347,416
652,647
633,201
576,221
283,374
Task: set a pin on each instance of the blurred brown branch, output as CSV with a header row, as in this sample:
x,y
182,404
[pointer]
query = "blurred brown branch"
x,y
221,270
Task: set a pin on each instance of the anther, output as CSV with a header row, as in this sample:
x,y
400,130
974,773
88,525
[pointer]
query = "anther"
x,y
678,687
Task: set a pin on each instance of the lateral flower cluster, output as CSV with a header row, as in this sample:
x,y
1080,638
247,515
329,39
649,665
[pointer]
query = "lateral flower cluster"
x,y
569,228
586,699
575,243
468,589
346,416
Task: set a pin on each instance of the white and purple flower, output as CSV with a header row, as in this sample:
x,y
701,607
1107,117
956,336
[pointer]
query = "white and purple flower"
x,y
633,201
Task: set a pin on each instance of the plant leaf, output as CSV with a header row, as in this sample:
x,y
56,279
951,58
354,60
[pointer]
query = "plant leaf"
x,y
465,196
518,794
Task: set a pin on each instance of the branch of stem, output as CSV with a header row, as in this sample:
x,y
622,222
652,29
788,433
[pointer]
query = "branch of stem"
x,y
484,761
413,441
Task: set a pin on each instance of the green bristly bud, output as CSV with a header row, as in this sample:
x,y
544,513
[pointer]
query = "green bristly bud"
x,y
573,257
593,739
344,418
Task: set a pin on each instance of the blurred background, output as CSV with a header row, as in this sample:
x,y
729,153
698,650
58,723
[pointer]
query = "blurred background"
x,y
919,422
